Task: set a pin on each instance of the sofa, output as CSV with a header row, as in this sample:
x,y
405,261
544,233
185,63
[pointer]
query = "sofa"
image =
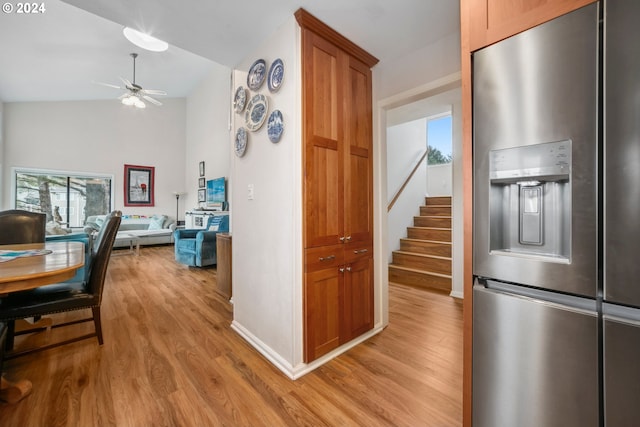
x,y
150,230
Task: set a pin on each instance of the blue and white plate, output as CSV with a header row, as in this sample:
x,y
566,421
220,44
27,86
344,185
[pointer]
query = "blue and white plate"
x,y
240,99
257,73
275,126
276,74
240,144
256,112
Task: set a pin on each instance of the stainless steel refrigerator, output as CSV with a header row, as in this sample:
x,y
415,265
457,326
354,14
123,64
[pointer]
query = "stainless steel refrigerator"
x,y
556,257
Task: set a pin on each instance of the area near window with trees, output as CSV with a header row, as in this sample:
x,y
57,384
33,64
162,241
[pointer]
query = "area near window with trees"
x,y
67,198
439,140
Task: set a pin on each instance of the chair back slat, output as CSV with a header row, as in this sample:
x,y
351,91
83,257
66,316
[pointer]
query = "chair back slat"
x,y
101,253
19,226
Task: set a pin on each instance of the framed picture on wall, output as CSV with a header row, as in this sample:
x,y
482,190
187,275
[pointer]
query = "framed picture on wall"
x,y
138,185
202,195
201,168
201,182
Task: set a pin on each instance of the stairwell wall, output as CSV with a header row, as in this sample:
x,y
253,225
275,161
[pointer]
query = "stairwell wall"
x,y
405,145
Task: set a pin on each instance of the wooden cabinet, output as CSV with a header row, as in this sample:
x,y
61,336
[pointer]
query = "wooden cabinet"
x,y
323,297
357,308
223,266
494,20
337,188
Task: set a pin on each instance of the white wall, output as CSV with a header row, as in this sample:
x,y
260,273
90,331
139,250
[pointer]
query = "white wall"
x,y
439,180
457,288
99,137
420,67
207,134
406,143
267,231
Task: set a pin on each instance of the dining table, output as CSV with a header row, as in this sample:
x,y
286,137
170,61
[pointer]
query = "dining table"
x,y
28,266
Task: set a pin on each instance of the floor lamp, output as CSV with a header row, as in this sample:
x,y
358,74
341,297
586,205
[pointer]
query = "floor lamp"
x,y
178,194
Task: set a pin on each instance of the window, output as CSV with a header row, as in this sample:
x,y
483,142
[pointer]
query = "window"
x,y
439,140
64,196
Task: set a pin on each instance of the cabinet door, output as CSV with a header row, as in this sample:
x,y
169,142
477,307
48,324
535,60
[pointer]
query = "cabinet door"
x,y
322,297
323,150
358,193
357,315
493,20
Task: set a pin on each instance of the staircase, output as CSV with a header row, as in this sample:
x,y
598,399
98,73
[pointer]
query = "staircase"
x,y
424,258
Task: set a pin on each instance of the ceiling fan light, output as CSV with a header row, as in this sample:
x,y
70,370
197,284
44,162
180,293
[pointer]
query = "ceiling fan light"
x,y
128,100
138,103
145,41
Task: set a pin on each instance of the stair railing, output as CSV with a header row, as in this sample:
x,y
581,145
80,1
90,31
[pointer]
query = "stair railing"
x,y
406,181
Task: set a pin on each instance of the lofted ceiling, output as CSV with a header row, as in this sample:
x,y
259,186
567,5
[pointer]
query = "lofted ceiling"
x,y
59,54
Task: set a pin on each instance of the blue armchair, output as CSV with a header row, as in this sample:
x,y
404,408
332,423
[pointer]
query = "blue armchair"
x,y
197,248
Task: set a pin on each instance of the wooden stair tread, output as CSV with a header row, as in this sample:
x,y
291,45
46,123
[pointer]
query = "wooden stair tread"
x,y
413,239
423,255
418,270
429,228
435,206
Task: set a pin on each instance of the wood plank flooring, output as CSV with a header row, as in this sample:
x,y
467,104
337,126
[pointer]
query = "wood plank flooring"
x,y
171,359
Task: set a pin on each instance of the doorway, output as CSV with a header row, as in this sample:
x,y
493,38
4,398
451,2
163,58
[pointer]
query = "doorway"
x,y
440,103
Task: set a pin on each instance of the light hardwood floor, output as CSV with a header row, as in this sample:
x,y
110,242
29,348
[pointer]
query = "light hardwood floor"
x,y
171,359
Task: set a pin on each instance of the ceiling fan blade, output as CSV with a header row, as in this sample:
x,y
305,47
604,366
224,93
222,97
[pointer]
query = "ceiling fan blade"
x,y
151,100
153,92
107,85
126,82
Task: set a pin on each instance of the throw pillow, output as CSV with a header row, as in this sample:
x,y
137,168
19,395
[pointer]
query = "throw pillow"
x,y
157,222
214,223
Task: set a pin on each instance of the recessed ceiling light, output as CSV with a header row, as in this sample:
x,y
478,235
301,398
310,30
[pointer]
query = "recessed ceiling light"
x,y
145,41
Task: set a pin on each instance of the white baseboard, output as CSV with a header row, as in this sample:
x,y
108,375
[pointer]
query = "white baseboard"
x,y
295,372
457,294
264,349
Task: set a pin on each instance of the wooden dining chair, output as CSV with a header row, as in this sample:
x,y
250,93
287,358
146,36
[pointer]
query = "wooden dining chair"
x,y
67,296
19,226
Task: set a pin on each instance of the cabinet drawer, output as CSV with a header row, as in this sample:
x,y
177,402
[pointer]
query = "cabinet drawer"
x,y
323,257
357,251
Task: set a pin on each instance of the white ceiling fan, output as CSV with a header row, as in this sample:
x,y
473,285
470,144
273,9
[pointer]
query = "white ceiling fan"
x,y
136,93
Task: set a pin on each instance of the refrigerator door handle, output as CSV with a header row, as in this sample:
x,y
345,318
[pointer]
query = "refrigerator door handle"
x,y
578,304
621,314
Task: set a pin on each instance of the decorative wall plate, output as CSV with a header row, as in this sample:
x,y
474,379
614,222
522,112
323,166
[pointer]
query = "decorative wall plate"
x,y
276,74
256,112
240,144
257,73
240,99
275,126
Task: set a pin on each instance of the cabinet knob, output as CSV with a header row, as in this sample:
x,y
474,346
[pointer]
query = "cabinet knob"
x,y
341,269
342,239
349,269
361,251
348,238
